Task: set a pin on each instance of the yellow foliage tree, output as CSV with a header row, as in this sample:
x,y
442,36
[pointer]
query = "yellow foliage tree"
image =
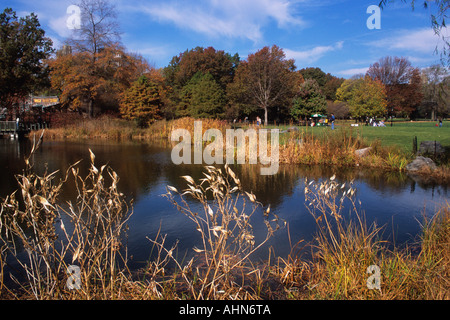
x,y
143,101
365,97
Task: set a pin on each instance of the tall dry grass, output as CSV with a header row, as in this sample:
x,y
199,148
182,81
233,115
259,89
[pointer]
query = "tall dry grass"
x,y
346,249
338,148
107,127
335,148
226,232
41,240
332,148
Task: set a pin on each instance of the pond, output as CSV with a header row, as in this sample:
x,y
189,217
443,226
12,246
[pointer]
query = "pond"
x,y
390,199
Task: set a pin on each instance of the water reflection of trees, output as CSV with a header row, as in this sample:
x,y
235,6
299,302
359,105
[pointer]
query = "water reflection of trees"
x,y
142,166
138,165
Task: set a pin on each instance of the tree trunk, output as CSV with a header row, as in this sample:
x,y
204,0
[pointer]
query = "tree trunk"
x,y
265,117
91,108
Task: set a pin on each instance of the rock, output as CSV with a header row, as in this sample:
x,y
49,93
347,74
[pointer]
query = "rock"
x,y
421,163
431,147
361,153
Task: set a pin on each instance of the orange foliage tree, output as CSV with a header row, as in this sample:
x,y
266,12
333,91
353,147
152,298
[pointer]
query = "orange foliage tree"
x,y
95,83
267,79
403,84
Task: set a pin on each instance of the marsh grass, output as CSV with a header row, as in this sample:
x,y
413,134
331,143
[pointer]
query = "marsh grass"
x,y
345,247
329,148
226,232
41,238
338,148
305,146
108,127
32,223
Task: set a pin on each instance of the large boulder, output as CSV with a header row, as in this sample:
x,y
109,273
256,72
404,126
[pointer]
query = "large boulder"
x,y
431,147
361,153
420,163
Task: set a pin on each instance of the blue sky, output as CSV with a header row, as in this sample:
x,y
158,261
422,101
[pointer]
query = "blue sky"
x,y
330,34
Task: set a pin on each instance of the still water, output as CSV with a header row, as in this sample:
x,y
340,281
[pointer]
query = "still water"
x,y
392,200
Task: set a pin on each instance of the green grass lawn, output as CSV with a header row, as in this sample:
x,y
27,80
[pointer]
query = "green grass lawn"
x,y
401,134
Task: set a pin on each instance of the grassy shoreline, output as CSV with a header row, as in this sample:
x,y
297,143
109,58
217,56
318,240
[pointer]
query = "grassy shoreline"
x,y
310,146
342,250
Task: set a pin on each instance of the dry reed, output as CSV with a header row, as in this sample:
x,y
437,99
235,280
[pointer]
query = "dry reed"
x,y
41,239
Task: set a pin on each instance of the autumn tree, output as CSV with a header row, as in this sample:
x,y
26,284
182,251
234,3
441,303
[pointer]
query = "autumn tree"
x,y
368,99
345,92
331,85
267,78
98,31
82,82
23,49
436,92
143,101
308,100
402,81
365,97
339,109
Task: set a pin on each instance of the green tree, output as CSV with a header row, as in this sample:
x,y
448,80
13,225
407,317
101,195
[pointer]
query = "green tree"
x,y
219,64
308,101
315,74
142,102
202,97
23,49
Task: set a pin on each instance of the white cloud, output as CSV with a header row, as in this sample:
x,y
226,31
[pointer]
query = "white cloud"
x,y
353,71
52,14
59,26
152,52
422,41
231,18
312,55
